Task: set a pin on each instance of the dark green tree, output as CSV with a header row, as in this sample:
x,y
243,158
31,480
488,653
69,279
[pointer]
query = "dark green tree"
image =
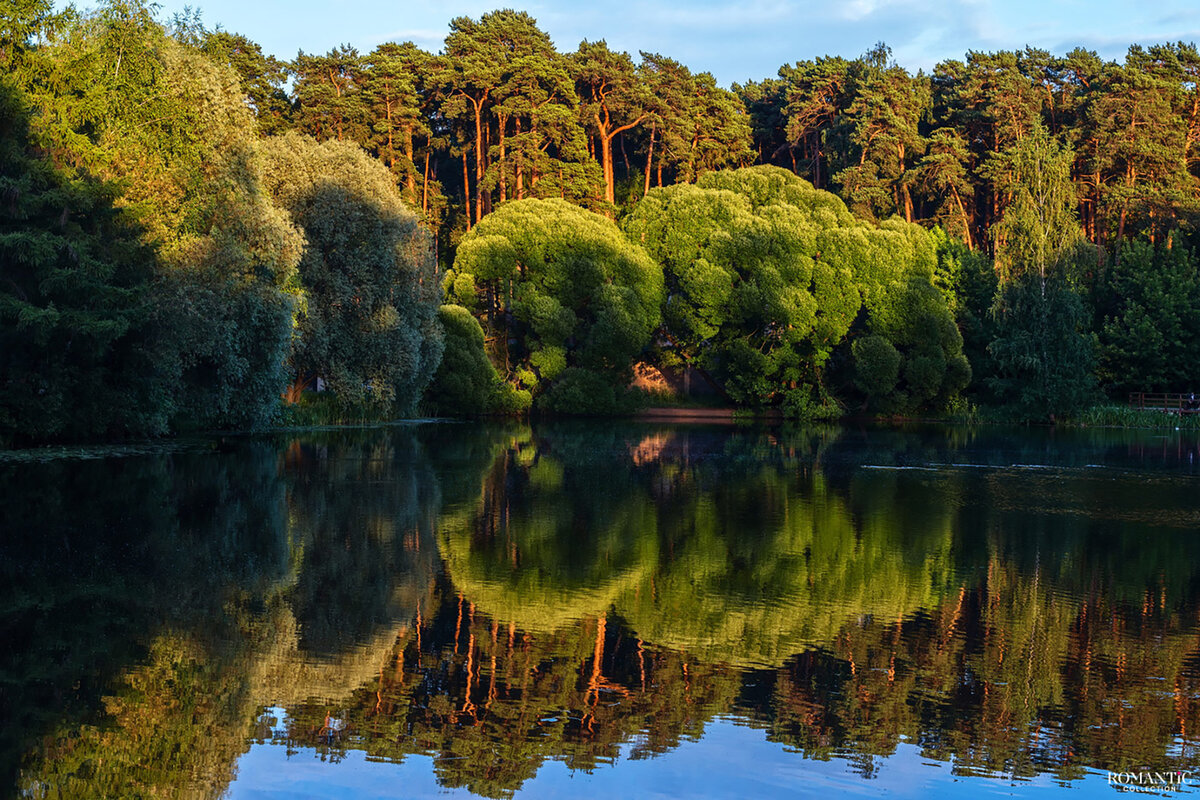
x,y
1043,350
77,340
330,98
885,117
112,96
1150,329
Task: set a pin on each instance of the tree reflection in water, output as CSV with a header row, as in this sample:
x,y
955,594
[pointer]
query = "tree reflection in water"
x,y
496,596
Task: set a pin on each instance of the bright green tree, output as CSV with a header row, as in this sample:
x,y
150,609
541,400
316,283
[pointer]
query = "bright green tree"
x,y
766,276
561,289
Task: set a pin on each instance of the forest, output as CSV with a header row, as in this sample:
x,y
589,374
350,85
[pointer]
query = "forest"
x,y
196,235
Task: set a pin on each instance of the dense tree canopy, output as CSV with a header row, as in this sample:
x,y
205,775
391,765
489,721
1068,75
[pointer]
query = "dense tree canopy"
x,y
111,98
766,277
367,323
1044,353
561,288
77,342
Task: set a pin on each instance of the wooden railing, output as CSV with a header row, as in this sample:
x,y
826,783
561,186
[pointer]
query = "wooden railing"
x,y
1170,403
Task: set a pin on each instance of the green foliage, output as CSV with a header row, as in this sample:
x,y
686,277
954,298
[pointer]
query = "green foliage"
x,y
368,322
968,279
1043,351
918,322
767,276
111,97
561,289
876,366
77,338
1039,230
1043,354
262,77
510,400
579,391
466,382
1111,416
1148,315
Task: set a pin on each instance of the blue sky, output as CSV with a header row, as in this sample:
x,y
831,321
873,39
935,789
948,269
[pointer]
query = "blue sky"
x,y
736,40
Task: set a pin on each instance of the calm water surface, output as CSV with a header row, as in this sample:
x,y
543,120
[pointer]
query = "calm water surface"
x,y
602,610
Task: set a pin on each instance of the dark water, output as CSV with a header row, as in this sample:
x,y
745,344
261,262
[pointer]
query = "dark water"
x,y
603,610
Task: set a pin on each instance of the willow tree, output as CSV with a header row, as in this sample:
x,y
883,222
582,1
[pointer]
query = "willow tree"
x,y
466,382
368,321
766,276
566,295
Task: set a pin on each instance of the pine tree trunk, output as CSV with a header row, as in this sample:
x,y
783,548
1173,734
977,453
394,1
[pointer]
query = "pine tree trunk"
x,y
478,161
503,123
410,180
607,164
966,222
425,186
466,189
649,158
520,165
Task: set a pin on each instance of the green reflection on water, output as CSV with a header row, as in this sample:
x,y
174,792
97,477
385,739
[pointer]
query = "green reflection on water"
x,y
499,595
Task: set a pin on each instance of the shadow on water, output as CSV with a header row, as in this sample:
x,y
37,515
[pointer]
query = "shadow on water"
x,y
495,596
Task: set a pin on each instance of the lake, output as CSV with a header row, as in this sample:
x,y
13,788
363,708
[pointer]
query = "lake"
x,y
600,609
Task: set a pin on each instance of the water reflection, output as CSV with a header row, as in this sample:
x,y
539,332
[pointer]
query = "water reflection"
x,y
495,597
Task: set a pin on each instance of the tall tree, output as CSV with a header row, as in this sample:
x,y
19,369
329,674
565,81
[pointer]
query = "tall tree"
x,y
393,77
78,345
330,103
263,77
1141,147
1043,349
885,115
368,324
112,96
943,174
613,100
766,105
818,92
478,57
